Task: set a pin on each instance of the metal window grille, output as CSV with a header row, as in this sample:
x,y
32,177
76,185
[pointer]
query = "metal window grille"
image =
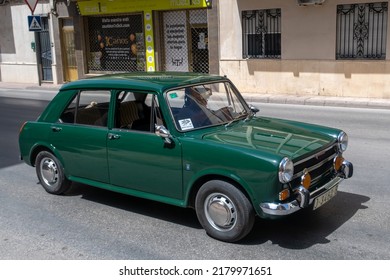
x,y
261,31
116,43
361,31
185,41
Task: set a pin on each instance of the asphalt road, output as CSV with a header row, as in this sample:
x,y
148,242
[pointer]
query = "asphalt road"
x,y
91,223
13,113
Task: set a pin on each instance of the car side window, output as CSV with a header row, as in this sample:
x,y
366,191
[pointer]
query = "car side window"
x,y
89,107
137,111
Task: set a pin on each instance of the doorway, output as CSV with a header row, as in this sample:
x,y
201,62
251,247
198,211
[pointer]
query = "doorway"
x,y
199,49
185,41
68,51
44,54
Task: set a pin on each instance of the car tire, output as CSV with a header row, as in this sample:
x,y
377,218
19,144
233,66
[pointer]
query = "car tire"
x,y
224,211
51,173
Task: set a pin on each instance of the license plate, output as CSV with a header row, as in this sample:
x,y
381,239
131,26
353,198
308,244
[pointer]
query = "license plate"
x,y
325,197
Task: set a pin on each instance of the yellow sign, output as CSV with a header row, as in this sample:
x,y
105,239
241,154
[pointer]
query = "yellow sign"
x,y
100,7
149,42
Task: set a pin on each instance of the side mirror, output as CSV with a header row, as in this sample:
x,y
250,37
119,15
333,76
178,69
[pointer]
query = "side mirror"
x,y
253,109
164,133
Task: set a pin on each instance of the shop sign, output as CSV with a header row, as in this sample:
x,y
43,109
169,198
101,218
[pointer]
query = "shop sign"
x,y
116,43
96,7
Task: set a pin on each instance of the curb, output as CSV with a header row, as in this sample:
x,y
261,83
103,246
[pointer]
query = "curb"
x,y
48,91
331,101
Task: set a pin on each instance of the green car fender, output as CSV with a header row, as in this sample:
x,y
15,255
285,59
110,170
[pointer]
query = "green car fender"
x,y
43,146
199,178
253,187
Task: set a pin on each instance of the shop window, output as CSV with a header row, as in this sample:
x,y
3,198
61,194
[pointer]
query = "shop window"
x,y
361,31
261,31
185,41
116,43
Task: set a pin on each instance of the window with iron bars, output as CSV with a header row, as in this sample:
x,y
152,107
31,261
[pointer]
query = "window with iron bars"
x,y
361,31
261,33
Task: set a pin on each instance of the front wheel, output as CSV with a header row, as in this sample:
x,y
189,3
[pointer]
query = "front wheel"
x,y
51,173
224,211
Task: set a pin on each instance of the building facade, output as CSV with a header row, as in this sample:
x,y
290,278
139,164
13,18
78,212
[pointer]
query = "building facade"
x,y
25,56
165,35
297,47
334,48
91,37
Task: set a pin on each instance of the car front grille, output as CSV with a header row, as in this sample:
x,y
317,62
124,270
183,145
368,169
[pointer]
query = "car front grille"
x,y
319,166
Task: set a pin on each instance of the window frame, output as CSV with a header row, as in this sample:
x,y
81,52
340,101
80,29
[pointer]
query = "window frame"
x,y
153,96
257,25
361,31
76,109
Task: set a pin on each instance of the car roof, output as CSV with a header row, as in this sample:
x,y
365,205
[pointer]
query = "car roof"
x,y
149,81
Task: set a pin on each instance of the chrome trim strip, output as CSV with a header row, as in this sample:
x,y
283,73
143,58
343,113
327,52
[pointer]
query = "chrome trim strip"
x,y
311,168
280,209
327,186
304,147
313,156
318,178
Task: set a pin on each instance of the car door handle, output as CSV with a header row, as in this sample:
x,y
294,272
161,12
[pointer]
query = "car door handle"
x,y
56,129
112,136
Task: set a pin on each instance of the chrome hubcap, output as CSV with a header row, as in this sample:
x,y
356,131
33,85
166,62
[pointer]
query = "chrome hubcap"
x,y
220,212
49,172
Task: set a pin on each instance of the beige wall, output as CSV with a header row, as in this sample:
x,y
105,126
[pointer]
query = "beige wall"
x,y
18,61
308,64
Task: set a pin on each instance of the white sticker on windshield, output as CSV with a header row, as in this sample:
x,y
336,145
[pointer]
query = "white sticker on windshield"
x,y
186,124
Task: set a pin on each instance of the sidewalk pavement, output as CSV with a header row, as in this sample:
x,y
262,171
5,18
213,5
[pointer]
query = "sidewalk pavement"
x,y
48,91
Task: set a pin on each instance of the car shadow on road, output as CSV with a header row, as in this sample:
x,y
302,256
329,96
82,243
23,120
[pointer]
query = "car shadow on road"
x,y
307,228
298,231
183,216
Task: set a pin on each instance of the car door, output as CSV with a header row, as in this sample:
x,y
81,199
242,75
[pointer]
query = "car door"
x,y
80,135
139,159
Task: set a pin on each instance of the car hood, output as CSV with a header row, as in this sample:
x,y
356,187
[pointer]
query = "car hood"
x,y
275,136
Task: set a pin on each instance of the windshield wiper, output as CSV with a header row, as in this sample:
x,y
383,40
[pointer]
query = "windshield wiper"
x,y
229,123
240,117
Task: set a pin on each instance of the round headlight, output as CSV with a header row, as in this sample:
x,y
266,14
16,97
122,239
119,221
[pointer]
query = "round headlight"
x,y
342,140
286,170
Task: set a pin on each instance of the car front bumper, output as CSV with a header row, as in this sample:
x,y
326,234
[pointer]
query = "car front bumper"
x,y
303,197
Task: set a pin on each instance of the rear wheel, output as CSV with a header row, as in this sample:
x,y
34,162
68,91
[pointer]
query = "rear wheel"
x,y
51,173
224,211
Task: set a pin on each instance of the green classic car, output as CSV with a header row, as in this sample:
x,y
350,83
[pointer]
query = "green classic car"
x,y
188,140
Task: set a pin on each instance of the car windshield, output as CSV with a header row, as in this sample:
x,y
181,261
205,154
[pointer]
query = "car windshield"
x,y
204,105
